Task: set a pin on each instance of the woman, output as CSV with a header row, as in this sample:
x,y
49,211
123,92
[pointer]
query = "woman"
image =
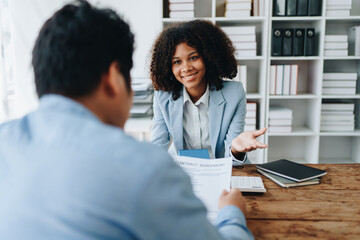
x,y
193,105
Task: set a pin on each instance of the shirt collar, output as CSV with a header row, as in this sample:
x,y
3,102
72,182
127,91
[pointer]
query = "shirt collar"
x,y
204,98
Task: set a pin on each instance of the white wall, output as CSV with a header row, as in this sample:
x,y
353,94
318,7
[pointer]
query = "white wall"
x,y
144,17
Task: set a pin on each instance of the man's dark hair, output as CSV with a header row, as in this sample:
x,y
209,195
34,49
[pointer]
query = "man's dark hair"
x,y
76,46
209,40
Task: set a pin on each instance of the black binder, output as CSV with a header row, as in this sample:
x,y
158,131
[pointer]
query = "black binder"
x,y
276,44
298,44
287,43
314,8
310,42
291,7
279,7
302,7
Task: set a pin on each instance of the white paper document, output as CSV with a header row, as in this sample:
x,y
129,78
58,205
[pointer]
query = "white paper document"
x,y
209,177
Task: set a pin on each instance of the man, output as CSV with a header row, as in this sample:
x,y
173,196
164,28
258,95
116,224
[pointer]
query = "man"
x,y
68,171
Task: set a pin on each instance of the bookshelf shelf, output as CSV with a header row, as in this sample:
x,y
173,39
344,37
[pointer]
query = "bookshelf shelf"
x,y
299,19
303,58
299,96
243,19
355,133
357,96
306,143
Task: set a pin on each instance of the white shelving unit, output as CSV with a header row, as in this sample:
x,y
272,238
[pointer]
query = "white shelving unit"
x,y
305,144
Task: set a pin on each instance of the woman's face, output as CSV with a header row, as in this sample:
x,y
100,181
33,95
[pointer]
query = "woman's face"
x,y
188,68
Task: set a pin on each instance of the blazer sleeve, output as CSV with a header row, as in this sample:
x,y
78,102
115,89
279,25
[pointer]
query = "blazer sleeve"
x,y
238,120
159,131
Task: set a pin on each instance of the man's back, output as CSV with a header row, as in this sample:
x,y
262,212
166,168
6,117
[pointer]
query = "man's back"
x,y
64,174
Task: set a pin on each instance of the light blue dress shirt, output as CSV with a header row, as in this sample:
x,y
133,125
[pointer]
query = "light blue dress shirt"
x,y
66,175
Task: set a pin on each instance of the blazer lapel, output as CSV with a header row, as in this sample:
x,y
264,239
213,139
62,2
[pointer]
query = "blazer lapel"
x,y
176,121
216,111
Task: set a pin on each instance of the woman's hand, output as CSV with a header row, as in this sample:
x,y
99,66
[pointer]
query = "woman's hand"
x,y
246,142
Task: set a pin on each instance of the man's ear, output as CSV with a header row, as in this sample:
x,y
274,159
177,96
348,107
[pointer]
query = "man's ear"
x,y
111,80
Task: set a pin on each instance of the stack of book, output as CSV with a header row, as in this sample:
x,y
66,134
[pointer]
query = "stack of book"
x,y
354,40
338,8
296,8
339,83
243,38
143,96
293,42
280,120
241,75
336,45
250,117
181,9
337,117
286,173
237,8
283,79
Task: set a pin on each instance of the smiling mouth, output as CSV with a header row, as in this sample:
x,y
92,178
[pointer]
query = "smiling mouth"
x,y
190,77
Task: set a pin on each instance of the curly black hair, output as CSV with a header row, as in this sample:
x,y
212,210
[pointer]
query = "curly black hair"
x,y
208,39
76,46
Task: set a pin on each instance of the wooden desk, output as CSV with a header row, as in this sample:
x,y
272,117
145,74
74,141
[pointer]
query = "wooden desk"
x,y
330,210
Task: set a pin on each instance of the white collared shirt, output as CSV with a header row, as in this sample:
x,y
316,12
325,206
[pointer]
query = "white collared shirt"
x,y
196,122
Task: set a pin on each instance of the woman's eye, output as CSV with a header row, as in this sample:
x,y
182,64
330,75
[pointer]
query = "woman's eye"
x,y
193,57
176,62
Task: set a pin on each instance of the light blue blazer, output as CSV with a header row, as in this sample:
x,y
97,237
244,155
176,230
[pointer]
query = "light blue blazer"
x,y
227,109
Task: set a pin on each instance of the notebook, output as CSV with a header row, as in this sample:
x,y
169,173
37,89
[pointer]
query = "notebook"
x,y
196,153
291,170
284,182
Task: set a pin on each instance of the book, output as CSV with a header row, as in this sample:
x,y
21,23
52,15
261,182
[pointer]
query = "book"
x,y
286,81
237,13
336,38
291,170
239,30
339,83
272,80
279,7
310,42
243,38
336,45
196,153
349,118
242,75
314,8
337,106
181,1
340,76
280,113
279,79
279,129
291,8
298,44
287,42
302,7
238,5
340,6
250,121
276,42
335,52
280,122
245,45
337,128
294,79
245,53
338,2
354,40
337,13
181,7
284,182
181,14
251,106
337,90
